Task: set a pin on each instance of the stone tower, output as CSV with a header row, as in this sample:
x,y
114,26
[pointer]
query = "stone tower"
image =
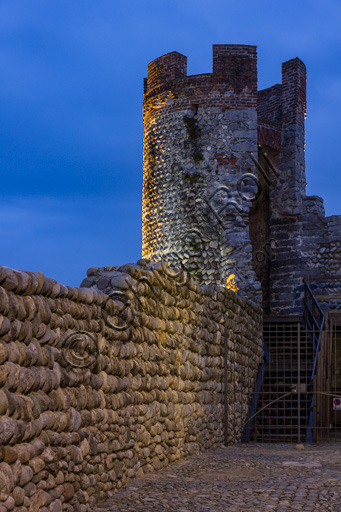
x,y
224,179
200,166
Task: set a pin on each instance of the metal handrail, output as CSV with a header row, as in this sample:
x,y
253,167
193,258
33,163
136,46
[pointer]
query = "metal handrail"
x,y
320,325
311,320
255,396
311,314
312,296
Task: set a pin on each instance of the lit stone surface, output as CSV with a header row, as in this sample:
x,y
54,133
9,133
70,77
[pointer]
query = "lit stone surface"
x,y
96,390
193,212
200,167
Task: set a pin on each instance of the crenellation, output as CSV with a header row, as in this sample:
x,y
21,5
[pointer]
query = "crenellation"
x,y
167,68
294,102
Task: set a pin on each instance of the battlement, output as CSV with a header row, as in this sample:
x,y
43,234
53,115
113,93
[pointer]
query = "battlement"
x,y
294,97
236,65
166,68
282,105
232,83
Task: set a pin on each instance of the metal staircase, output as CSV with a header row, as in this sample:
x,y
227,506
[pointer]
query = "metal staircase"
x,y
282,408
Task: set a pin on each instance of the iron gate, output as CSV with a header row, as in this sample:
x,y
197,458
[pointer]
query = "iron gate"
x,y
298,401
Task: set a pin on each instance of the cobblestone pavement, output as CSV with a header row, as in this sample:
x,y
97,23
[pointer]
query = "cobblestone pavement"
x,y
253,477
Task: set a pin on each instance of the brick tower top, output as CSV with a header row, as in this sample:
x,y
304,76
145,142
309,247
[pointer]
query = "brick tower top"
x,y
232,84
282,105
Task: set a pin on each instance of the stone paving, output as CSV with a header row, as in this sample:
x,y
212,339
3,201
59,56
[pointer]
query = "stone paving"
x,y
253,477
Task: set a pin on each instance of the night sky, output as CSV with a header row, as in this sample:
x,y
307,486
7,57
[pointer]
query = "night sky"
x,y
71,112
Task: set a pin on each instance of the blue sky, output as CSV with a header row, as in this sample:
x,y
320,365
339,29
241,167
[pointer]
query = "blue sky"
x,y
71,112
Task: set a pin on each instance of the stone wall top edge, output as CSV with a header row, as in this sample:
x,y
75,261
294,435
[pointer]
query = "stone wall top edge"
x,y
23,282
198,75
334,218
151,266
170,58
232,296
34,283
314,198
203,84
316,202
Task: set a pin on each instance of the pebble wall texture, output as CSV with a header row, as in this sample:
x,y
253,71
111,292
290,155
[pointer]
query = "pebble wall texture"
x,y
200,166
101,384
309,243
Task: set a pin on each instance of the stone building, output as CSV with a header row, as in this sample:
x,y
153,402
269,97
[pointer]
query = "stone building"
x,y
224,179
224,197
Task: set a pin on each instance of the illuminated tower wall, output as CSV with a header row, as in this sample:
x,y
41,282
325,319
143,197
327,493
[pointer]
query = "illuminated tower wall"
x,y
200,166
224,179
